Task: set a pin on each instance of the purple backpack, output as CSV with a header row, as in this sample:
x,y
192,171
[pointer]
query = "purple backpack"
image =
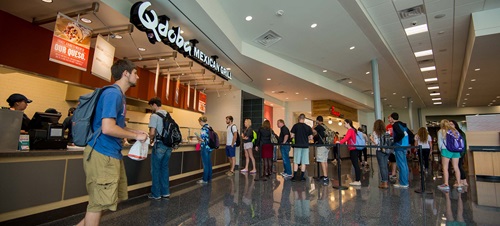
x,y
454,143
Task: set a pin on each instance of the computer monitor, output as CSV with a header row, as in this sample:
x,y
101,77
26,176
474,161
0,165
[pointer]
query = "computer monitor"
x,y
41,120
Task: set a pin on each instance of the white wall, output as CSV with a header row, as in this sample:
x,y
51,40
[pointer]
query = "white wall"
x,y
278,113
296,107
366,118
458,111
222,105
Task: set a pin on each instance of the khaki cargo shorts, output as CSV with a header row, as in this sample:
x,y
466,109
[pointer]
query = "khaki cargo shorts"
x,y
105,179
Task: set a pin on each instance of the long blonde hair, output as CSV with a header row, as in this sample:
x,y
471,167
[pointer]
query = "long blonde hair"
x,y
423,135
445,126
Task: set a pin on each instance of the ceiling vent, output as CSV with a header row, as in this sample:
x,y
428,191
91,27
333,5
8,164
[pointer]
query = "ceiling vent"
x,y
428,61
411,12
267,39
280,91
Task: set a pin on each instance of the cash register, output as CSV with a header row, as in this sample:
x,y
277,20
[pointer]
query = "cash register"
x,y
46,132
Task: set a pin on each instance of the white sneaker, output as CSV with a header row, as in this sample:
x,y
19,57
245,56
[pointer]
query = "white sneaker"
x,y
201,182
355,183
401,186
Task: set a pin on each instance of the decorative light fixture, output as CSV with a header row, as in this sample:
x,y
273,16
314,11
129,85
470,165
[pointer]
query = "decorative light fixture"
x,y
340,123
248,18
330,121
416,29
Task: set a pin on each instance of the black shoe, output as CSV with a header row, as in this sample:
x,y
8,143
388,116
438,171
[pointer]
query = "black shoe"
x,y
302,178
294,178
326,181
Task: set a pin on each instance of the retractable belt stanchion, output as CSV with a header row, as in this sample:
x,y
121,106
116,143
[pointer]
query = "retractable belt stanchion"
x,y
260,170
340,187
317,163
422,173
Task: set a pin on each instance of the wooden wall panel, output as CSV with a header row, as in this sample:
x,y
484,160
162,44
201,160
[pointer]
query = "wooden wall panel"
x,y
322,107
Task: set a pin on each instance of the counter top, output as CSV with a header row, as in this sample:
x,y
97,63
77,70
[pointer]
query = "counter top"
x,y
63,152
484,148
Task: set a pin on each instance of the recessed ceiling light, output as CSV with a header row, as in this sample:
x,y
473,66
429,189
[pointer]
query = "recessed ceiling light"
x,y
431,68
248,18
416,29
116,36
477,69
367,73
371,93
182,32
305,98
436,103
470,87
385,98
473,80
393,93
314,25
390,105
433,87
430,79
403,97
498,97
228,68
467,94
463,103
86,20
268,79
297,93
325,71
465,99
423,53
349,82
162,59
440,32
439,16
435,94
286,98
47,1
352,47
434,99
494,101
141,49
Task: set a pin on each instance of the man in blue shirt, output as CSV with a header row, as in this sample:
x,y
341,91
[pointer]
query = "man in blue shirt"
x,y
104,169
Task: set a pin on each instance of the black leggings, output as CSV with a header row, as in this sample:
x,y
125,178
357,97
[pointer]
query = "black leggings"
x,y
425,155
363,152
335,152
354,159
461,167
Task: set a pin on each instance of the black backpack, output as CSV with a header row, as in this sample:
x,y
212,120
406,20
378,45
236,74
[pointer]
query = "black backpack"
x,y
171,135
238,139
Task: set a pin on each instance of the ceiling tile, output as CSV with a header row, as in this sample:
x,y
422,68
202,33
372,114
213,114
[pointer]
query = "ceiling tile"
x,y
381,10
431,7
491,4
405,4
468,9
371,3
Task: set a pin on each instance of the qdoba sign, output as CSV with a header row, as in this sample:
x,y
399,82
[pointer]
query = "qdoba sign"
x,y
157,30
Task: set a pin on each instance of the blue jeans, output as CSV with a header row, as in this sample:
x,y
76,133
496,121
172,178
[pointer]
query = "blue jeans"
x,y
285,154
159,170
382,159
400,154
207,165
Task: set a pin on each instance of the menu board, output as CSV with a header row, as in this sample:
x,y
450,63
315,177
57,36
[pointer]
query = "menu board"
x,y
202,102
103,59
70,43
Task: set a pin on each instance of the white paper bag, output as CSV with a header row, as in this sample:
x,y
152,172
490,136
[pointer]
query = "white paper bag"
x,y
139,151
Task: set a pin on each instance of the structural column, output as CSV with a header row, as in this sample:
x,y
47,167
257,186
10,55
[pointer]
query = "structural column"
x,y
376,90
410,112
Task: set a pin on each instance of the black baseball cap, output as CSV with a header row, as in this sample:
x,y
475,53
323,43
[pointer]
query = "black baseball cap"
x,y
16,97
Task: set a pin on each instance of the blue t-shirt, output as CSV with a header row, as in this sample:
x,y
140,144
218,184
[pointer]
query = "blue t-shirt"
x,y
111,104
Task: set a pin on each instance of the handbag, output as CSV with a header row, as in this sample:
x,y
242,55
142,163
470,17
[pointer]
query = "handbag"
x,y
274,139
139,151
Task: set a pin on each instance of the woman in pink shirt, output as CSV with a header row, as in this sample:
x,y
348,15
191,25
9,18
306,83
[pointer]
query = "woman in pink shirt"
x,y
350,138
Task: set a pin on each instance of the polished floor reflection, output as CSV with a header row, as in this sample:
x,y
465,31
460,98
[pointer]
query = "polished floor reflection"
x,y
240,200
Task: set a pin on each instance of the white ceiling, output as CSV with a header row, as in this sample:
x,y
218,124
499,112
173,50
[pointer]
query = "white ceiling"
x,y
296,62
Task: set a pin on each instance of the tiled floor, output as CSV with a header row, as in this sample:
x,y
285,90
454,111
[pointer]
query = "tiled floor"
x,y
239,200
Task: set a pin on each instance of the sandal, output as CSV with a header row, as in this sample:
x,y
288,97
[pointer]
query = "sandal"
x,y
253,172
244,170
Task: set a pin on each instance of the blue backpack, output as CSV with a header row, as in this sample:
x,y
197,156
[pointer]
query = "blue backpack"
x,y
360,140
84,116
454,143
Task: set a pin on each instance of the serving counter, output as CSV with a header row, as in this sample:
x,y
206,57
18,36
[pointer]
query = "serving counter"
x,y
487,172
46,180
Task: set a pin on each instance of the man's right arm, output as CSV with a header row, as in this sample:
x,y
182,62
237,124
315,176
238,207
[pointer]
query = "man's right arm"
x,y
110,128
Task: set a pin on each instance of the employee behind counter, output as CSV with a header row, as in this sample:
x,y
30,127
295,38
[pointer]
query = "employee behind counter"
x,y
44,129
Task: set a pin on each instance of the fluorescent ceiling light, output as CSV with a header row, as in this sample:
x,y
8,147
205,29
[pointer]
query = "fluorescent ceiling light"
x,y
435,94
423,53
470,87
473,80
433,87
436,103
434,99
467,94
477,69
430,79
248,18
416,29
431,68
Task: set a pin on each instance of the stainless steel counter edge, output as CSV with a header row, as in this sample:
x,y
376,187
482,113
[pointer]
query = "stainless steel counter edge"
x,y
484,148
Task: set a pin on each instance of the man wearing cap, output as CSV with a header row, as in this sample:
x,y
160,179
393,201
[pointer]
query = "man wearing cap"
x,y
19,102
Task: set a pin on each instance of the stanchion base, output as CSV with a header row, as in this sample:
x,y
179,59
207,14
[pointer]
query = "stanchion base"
x,y
340,187
420,191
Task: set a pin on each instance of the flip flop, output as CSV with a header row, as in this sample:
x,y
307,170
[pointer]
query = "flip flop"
x,y
243,170
253,172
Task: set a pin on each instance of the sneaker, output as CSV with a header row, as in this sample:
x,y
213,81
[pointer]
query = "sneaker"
x,y
355,183
201,182
287,176
150,196
444,187
401,186
165,196
326,181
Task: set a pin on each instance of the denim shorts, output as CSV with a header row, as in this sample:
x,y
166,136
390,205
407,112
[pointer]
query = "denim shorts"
x,y
230,151
451,155
301,156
